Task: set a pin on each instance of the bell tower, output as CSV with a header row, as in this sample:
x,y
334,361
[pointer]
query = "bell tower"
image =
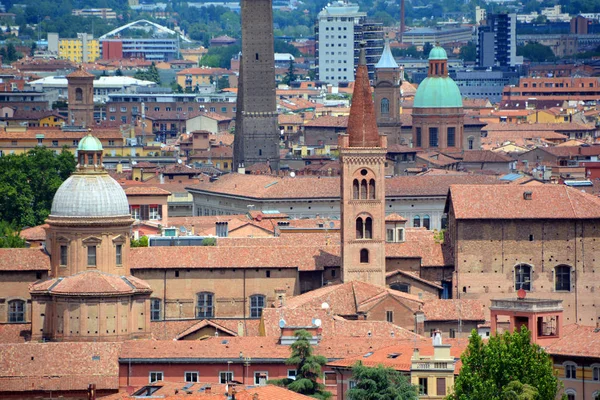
x,y
80,87
388,80
362,157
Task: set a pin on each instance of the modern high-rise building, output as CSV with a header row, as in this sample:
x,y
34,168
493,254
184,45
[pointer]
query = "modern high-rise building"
x,y
497,41
256,129
340,30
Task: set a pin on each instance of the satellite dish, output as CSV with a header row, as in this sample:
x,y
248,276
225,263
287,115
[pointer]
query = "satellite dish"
x,y
282,323
325,306
179,162
292,174
318,323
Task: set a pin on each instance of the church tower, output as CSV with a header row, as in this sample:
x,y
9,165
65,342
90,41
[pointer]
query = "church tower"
x,y
388,79
80,89
362,158
256,129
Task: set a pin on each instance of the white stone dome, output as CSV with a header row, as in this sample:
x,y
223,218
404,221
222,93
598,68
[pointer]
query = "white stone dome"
x,y
90,195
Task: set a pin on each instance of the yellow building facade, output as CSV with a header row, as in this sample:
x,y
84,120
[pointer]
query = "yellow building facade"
x,y
72,50
433,375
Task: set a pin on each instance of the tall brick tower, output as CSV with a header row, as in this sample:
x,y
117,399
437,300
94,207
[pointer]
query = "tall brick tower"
x,y
388,79
256,130
80,87
362,156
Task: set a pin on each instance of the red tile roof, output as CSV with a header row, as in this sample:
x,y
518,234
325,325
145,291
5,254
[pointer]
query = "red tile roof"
x,y
80,73
92,283
508,202
35,233
362,125
171,329
328,122
15,333
485,156
24,260
143,190
453,310
577,341
58,366
290,119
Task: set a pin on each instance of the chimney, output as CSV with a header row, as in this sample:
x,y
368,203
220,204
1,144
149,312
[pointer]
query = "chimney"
x,y
527,195
207,390
119,168
419,322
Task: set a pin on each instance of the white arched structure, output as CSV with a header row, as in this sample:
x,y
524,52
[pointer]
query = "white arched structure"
x,y
158,27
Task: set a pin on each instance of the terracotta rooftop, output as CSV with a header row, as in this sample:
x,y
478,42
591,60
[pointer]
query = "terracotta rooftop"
x,y
508,202
92,283
143,190
556,127
290,119
58,366
485,156
15,333
35,233
453,310
577,341
80,73
24,260
362,125
172,329
328,122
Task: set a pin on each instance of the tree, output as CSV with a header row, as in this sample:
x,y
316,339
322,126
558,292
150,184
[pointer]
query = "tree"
x,y
427,49
536,52
151,74
308,367
489,371
33,48
9,237
380,383
468,52
141,242
290,76
515,390
118,72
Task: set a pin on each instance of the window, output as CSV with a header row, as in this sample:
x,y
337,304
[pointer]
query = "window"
x,y
291,374
78,94
64,255
91,256
191,376
401,287
111,142
330,378
596,374
570,371
562,278
16,311
441,386
119,254
55,143
123,109
570,396
155,310
225,376
135,212
422,386
400,235
523,277
452,333
260,377
426,223
112,109
433,137
155,376
418,137
417,221
385,106
470,142
389,316
205,308
257,303
451,138
389,235
154,211
351,384
372,189
364,256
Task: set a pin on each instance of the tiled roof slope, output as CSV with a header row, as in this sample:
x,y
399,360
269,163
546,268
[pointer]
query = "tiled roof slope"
x,y
508,202
24,260
34,233
485,156
58,366
171,329
578,341
453,310
92,283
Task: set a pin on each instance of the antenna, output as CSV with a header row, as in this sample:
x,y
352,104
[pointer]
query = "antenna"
x,y
317,323
325,306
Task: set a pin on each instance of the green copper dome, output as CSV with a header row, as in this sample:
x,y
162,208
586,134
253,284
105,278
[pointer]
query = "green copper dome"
x,y
438,53
90,143
438,92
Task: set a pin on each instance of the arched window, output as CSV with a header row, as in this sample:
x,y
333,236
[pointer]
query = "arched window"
x,y
571,394
368,228
562,278
364,256
523,277
363,189
570,370
385,106
155,310
355,190
205,306
471,142
417,221
372,189
596,374
359,228
78,94
257,303
16,311
426,221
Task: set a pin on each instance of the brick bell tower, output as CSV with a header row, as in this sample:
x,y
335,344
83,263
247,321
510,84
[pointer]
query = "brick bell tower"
x,y
80,87
362,157
388,80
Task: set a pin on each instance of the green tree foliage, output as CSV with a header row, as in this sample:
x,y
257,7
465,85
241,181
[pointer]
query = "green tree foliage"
x,y
118,72
9,237
380,383
209,241
536,52
28,182
141,242
309,367
409,52
284,47
151,74
515,390
426,49
468,52
219,57
290,75
490,369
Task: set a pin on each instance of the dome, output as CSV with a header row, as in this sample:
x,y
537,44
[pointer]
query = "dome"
x,y
90,143
438,53
438,92
90,195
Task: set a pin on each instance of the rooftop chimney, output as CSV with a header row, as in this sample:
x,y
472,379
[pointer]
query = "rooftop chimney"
x,y
527,195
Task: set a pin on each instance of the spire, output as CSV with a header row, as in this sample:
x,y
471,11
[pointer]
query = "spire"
x,y
387,59
362,125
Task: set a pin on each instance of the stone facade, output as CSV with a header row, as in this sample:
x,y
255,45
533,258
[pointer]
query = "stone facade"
x,y
81,98
257,134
